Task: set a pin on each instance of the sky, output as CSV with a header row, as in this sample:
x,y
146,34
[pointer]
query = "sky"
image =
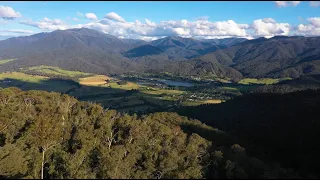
x,y
149,20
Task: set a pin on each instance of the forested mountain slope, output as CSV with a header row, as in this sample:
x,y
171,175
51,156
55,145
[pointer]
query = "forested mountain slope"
x,y
275,57
282,127
232,58
298,84
74,49
51,135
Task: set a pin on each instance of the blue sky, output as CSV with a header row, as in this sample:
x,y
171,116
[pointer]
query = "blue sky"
x,y
248,19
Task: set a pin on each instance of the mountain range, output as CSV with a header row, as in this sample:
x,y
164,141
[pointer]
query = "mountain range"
x,y
96,52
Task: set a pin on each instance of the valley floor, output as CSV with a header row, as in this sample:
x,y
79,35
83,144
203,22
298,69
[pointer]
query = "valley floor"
x,y
131,94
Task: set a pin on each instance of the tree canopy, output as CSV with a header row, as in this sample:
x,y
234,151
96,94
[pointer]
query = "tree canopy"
x,y
51,135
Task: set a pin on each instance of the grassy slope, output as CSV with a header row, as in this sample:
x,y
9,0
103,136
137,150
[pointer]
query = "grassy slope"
x,y
196,103
6,61
261,81
51,70
98,90
30,82
22,77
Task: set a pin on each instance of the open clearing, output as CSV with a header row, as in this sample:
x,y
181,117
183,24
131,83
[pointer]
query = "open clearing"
x,y
97,89
115,93
6,61
33,82
155,91
22,77
128,86
52,70
94,80
247,81
196,103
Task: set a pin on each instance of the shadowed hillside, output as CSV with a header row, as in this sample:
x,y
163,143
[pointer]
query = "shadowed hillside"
x,y
50,135
272,126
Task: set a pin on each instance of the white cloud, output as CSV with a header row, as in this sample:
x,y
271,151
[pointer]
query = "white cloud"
x,y
114,16
314,3
46,24
199,28
312,28
149,30
5,34
7,12
19,31
150,23
91,16
286,3
269,27
79,14
75,19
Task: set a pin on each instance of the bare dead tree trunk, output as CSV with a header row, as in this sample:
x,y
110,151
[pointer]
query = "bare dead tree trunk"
x,y
69,105
111,139
109,145
42,164
131,138
44,149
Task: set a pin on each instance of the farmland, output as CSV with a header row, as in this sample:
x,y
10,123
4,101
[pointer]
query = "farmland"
x,y
3,61
122,94
51,70
261,81
94,80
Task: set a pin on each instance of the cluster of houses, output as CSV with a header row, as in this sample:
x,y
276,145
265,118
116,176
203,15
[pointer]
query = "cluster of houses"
x,y
198,96
5,81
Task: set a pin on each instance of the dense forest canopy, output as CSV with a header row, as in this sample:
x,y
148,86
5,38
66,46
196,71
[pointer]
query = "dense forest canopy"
x,y
91,51
51,135
173,107
282,127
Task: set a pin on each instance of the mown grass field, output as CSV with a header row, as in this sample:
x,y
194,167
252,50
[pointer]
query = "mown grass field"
x,y
103,92
51,70
106,90
30,82
96,89
3,61
94,80
156,91
229,88
128,86
22,77
266,81
196,103
101,80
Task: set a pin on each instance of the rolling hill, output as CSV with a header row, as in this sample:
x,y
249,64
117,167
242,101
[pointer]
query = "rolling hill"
x,y
232,58
275,57
273,126
74,49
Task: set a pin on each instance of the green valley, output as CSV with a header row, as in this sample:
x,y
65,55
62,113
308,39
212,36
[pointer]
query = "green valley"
x,y
138,94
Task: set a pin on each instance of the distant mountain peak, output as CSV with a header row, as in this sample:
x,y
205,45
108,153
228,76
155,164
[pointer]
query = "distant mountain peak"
x,y
179,38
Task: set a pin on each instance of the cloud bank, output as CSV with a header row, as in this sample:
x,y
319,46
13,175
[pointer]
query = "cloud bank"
x,y
114,24
286,3
8,13
114,16
91,16
314,3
